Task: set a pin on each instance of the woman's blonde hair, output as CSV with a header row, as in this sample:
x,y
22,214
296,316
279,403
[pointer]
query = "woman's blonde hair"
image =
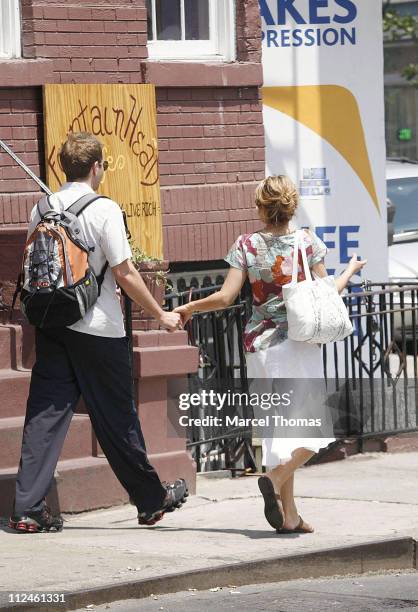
x,y
276,198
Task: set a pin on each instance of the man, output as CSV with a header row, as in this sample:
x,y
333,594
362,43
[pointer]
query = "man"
x,y
90,358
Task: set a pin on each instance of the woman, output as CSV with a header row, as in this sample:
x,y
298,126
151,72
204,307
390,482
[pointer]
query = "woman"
x,y
266,257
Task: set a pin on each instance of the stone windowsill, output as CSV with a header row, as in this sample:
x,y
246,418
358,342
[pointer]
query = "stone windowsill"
x,y
26,72
30,72
203,74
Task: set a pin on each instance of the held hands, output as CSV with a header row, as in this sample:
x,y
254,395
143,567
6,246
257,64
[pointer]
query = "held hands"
x,y
184,312
355,265
171,321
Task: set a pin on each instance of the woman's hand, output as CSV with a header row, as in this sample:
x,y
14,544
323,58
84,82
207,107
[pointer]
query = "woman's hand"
x,y
185,312
355,265
216,301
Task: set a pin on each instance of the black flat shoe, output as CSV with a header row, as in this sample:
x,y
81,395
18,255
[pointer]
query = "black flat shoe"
x,y
272,511
300,528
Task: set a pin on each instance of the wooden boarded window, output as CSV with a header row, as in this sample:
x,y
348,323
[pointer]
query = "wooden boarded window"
x,y
123,117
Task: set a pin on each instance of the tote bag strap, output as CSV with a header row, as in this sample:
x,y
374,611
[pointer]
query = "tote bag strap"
x,y
300,244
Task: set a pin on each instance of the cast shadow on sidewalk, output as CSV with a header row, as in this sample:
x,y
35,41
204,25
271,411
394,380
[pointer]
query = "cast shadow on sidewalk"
x,y
253,534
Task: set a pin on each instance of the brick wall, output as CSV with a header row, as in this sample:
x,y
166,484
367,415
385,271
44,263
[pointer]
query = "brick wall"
x,y
248,31
108,37
21,126
206,136
212,151
90,42
210,135
202,222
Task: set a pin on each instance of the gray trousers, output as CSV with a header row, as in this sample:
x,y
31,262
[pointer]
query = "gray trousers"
x,y
70,364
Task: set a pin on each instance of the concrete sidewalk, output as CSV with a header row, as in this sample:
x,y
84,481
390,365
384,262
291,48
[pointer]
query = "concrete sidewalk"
x,y
365,498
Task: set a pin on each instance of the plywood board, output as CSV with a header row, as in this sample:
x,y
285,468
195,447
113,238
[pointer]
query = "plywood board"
x,y
123,117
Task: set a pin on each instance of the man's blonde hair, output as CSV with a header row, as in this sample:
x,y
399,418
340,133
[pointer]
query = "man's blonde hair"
x,y
78,154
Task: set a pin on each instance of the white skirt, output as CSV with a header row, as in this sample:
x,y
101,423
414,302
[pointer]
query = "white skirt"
x,y
287,359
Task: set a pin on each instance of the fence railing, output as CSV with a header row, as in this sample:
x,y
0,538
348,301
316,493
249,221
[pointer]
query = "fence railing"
x,y
374,372
218,337
372,378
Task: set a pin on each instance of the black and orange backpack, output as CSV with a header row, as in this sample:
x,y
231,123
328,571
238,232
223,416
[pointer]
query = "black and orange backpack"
x,y
56,284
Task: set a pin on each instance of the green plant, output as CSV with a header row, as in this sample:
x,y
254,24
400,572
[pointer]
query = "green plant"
x,y
401,27
139,257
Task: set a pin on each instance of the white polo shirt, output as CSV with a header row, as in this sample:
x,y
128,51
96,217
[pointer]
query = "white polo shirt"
x,y
104,229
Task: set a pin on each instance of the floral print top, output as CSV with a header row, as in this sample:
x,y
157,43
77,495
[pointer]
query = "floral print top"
x,y
268,260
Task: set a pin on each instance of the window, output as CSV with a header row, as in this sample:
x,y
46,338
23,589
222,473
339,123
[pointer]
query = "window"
x,y
9,29
191,29
401,121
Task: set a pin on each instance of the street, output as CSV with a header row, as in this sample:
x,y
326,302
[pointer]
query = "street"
x,y
366,593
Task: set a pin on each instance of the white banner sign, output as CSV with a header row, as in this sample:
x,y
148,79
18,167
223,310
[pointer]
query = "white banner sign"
x,y
324,121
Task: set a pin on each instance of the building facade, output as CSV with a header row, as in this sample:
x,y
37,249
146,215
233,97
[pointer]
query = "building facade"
x,y
401,96
205,60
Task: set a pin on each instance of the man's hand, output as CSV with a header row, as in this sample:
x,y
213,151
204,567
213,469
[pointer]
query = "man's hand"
x,y
171,321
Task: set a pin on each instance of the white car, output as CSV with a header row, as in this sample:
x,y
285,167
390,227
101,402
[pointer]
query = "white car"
x,y
402,191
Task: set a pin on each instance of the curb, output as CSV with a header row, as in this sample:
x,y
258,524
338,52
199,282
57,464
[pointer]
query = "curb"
x,y
398,553
215,475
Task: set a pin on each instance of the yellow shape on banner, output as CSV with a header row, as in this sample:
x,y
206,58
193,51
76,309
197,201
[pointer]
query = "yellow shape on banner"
x,y
123,117
333,113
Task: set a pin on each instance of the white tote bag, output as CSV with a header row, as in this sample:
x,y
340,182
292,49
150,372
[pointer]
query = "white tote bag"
x,y
316,312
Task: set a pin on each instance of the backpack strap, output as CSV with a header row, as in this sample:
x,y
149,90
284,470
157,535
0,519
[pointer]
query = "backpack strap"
x,y
44,206
100,277
125,222
76,209
82,203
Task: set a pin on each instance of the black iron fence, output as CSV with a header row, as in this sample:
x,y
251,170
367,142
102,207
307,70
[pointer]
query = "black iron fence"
x,y
218,337
374,372
371,376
